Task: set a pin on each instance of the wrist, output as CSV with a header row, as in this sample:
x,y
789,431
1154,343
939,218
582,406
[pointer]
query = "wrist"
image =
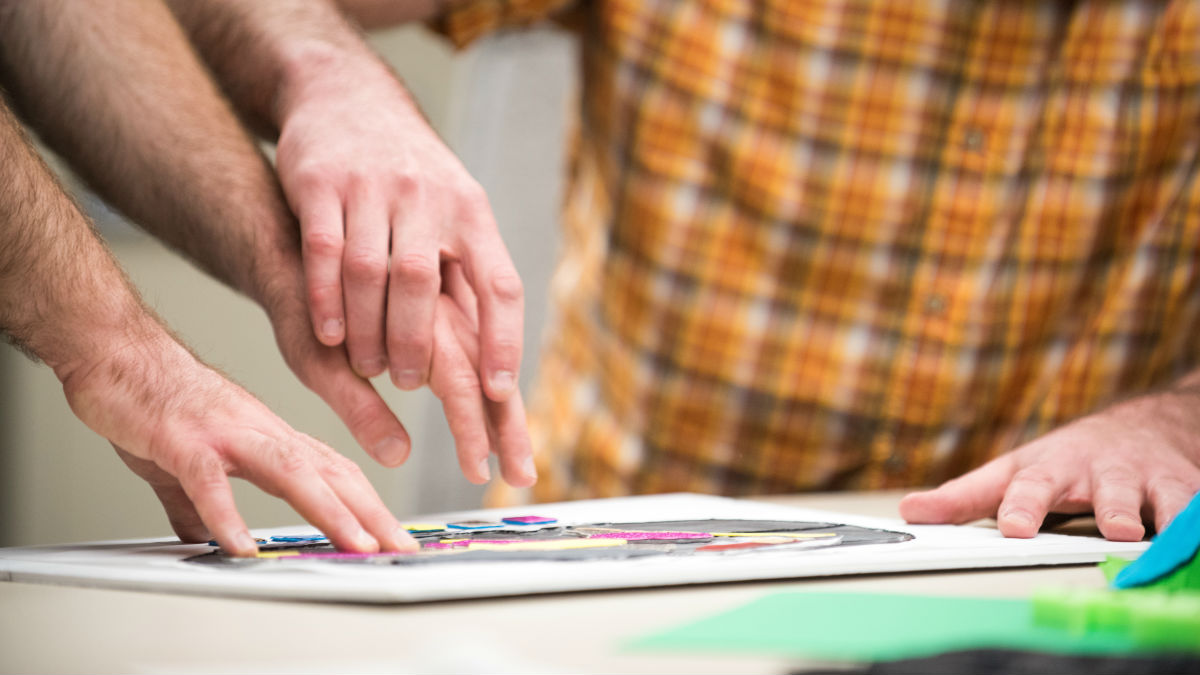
x,y
319,72
113,350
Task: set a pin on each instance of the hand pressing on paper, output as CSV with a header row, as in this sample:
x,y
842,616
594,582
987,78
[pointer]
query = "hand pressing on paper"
x,y
382,205
1137,461
186,430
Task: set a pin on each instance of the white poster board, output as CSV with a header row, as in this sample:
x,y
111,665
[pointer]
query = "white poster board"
x,y
158,565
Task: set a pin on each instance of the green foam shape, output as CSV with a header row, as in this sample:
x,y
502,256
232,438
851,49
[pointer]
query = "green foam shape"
x,y
1151,618
870,626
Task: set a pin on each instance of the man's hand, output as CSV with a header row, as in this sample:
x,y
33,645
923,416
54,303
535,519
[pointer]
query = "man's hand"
x,y
382,205
185,429
480,426
1133,462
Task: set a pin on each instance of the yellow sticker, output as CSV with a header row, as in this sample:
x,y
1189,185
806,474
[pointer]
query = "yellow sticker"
x,y
423,527
277,554
788,535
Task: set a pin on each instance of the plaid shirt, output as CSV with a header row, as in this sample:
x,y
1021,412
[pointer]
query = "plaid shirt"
x,y
823,245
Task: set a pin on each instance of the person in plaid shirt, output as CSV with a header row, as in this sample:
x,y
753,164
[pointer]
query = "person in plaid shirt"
x,y
844,245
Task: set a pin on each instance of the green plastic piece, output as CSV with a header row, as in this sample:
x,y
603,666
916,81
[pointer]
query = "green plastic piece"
x,y
1112,565
1151,618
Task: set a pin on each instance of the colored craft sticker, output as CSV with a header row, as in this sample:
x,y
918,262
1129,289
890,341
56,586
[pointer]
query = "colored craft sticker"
x,y
423,527
348,555
464,542
278,554
299,538
436,545
473,525
789,535
641,535
528,520
547,545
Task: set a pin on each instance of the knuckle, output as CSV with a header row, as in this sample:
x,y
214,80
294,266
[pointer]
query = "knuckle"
x,y
464,383
359,180
322,243
417,269
287,460
406,184
204,472
506,350
337,466
410,345
1035,477
322,294
507,286
310,176
364,267
361,417
1114,476
474,197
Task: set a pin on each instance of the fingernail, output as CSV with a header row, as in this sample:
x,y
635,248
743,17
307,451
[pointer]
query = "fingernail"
x,y
503,382
365,542
372,367
405,541
332,328
245,543
391,451
1019,518
408,379
1118,516
529,468
484,470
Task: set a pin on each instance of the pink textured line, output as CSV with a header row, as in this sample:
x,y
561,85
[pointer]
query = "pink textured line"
x,y
651,535
468,542
353,556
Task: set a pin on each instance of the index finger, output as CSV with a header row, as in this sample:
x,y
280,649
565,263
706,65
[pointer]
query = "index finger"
x,y
972,496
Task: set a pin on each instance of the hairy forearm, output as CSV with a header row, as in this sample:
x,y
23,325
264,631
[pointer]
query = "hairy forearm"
x,y
115,88
372,14
270,54
62,297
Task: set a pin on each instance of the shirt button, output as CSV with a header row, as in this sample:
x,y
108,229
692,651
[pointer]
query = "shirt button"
x,y
935,305
973,139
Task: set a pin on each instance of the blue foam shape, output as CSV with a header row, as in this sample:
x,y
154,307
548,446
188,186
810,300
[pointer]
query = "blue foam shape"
x,y
467,526
520,520
1174,546
298,538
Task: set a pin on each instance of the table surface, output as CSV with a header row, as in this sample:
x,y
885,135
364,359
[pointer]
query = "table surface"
x,y
63,629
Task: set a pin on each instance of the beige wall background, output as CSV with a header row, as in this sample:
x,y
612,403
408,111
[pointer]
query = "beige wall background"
x,y
502,105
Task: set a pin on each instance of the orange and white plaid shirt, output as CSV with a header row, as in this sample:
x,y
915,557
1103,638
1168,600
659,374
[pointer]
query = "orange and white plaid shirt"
x,y
824,245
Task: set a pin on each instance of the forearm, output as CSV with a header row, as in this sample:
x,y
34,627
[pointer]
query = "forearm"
x,y
115,88
270,55
62,296
372,14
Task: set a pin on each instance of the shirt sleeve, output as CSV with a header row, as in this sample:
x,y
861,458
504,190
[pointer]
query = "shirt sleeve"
x,y
467,20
